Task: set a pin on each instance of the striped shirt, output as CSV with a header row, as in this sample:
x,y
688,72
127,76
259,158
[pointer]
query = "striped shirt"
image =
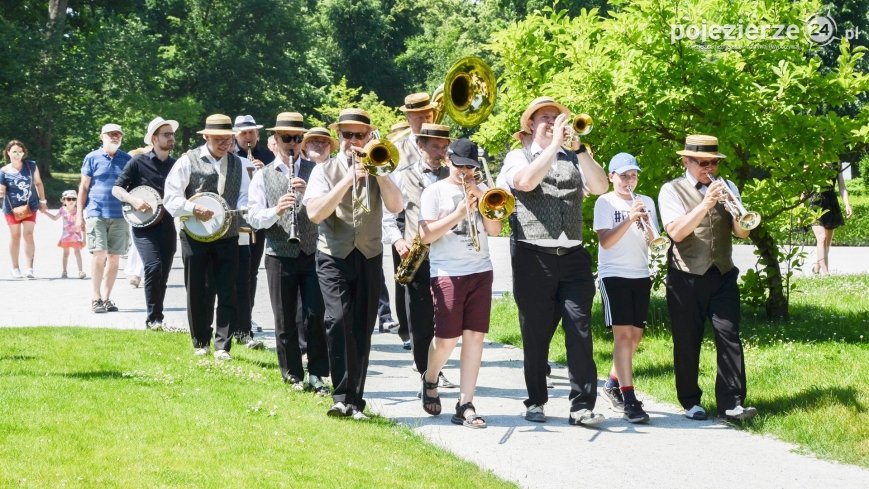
x,y
103,171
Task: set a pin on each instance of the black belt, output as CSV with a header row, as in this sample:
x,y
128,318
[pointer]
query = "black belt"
x,y
557,251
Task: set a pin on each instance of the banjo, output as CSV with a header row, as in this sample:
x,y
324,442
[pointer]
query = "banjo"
x,y
139,219
214,228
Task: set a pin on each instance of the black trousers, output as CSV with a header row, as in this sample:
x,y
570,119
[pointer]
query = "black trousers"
x,y
548,289
256,257
351,288
420,315
156,246
243,304
400,303
288,278
210,270
384,312
691,299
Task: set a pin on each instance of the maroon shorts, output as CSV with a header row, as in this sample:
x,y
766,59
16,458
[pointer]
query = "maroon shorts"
x,y
462,303
10,219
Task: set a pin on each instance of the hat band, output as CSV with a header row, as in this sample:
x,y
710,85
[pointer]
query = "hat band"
x,y
354,118
438,133
703,148
296,124
417,105
246,124
324,134
228,127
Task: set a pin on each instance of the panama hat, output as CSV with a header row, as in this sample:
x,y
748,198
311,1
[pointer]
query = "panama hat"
x,y
157,123
217,125
417,102
702,146
289,122
534,106
244,123
352,116
320,132
434,131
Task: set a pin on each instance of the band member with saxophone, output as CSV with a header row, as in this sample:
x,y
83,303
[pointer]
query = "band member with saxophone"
x,y
412,177
156,244
626,224
346,202
461,278
552,278
418,110
248,148
291,241
701,279
210,268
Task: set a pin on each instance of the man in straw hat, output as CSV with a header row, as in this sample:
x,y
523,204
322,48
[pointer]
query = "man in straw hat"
x,y
100,215
209,168
412,177
156,243
291,268
350,256
701,279
552,278
318,145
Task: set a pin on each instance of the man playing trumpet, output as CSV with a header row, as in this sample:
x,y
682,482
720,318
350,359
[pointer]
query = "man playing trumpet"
x,y
701,279
347,204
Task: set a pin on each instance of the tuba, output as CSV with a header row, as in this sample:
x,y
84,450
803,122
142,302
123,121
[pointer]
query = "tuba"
x,y
467,94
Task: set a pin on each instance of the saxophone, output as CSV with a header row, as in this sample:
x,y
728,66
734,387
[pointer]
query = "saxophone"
x,y
410,264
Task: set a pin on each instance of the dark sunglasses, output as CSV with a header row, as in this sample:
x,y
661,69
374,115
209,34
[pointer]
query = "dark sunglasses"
x,y
69,198
465,167
706,163
292,139
354,135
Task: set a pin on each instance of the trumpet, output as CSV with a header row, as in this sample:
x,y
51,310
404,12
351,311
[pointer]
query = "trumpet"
x,y
293,238
581,125
379,158
473,232
496,204
746,220
657,243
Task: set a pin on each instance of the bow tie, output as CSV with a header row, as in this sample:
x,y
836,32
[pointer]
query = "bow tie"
x,y
699,186
428,169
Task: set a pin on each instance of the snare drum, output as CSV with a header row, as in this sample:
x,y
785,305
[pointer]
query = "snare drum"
x,y
139,219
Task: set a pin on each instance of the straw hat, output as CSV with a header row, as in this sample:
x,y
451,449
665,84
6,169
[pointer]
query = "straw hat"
x,y
534,106
289,122
398,126
320,132
439,131
217,125
702,146
417,102
155,124
352,116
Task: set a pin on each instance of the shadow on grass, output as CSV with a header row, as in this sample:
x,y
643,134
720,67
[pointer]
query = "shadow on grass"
x,y
17,357
812,398
93,375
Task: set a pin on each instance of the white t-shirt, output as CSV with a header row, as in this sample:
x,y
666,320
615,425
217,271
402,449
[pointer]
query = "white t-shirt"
x,y
452,255
629,256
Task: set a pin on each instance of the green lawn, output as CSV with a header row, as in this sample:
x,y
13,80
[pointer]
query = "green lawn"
x,y
809,377
105,408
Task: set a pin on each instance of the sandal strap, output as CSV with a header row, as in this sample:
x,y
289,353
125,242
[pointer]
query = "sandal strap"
x,y
461,410
428,385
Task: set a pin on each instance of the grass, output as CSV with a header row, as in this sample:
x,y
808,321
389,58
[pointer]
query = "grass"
x,y
809,377
105,408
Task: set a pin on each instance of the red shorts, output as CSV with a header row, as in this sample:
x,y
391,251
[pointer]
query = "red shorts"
x,y
461,303
10,219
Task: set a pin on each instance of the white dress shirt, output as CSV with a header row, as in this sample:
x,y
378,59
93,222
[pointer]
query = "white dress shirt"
x,y
259,214
174,200
391,233
671,205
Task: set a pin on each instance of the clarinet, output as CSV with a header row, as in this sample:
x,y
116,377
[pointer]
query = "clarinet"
x,y
293,223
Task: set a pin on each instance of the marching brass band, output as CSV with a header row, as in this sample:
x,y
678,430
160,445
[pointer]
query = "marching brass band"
x,y
323,221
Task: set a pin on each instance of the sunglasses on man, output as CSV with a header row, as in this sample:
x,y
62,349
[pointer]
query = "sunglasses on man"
x,y
705,163
354,135
287,138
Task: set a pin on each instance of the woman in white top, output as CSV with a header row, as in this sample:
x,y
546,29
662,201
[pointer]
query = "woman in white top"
x,y
461,278
623,270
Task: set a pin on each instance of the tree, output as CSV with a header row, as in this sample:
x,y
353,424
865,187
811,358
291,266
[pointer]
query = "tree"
x,y
772,107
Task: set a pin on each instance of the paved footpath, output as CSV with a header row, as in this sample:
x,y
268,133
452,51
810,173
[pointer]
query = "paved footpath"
x,y
671,451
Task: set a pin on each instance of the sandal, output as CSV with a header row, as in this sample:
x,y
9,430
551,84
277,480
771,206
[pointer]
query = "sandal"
x,y
429,401
469,420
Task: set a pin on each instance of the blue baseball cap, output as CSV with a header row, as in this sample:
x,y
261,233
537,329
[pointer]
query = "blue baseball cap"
x,y
623,162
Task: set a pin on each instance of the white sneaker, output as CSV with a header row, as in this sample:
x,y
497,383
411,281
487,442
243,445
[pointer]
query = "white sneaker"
x,y
535,414
200,352
585,417
696,413
740,413
222,355
255,327
16,273
30,274
356,413
255,344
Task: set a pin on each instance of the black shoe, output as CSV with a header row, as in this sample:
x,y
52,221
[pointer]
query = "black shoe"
x,y
634,412
406,345
338,410
98,306
110,306
614,396
316,384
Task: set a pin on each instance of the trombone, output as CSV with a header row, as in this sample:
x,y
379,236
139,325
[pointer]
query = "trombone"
x,y
657,243
747,220
473,232
379,158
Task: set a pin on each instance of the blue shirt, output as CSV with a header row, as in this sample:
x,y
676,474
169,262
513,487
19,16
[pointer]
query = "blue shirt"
x,y
103,171
19,187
